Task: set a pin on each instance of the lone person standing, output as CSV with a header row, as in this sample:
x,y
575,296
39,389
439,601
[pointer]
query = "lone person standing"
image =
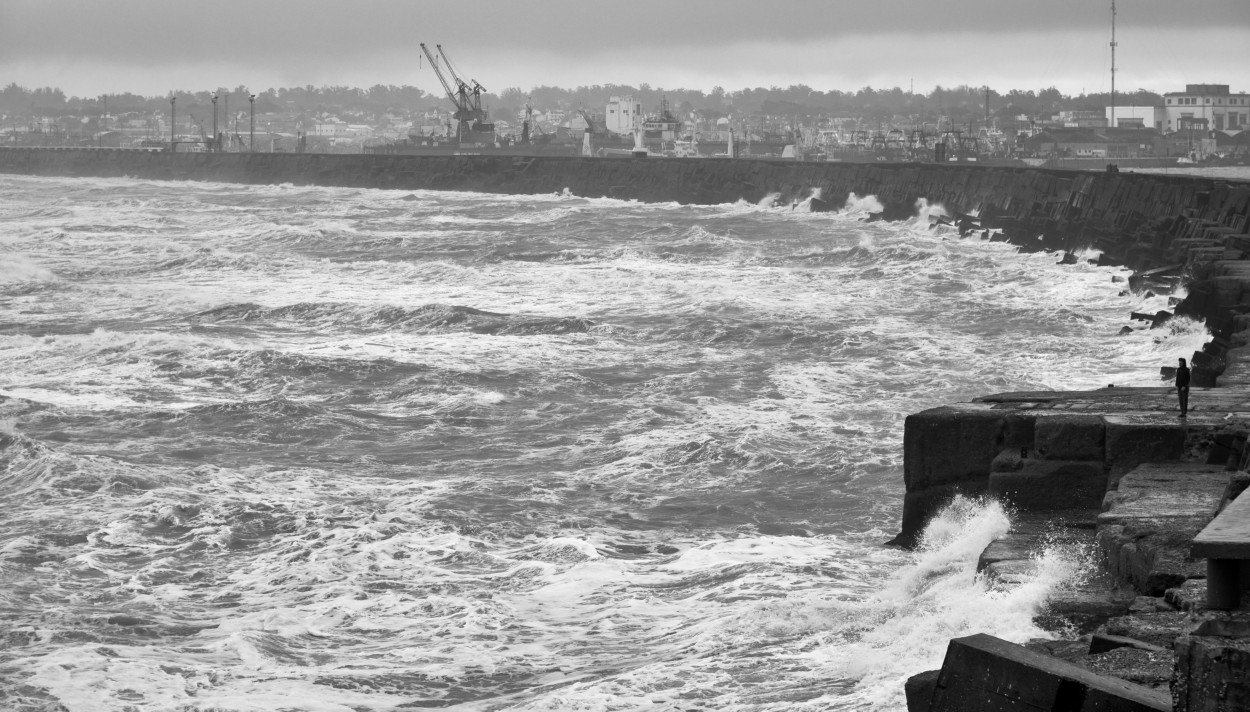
x,y
1182,387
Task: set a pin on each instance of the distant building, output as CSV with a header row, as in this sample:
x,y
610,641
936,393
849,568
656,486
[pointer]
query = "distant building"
x,y
1082,119
1096,143
338,129
1209,107
1140,117
623,114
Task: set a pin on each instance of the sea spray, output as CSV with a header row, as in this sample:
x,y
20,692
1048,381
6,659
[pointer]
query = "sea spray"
x,y
939,596
17,268
927,214
856,205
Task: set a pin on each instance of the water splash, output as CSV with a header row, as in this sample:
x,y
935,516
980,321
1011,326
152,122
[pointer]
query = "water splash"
x,y
929,213
18,268
940,596
855,205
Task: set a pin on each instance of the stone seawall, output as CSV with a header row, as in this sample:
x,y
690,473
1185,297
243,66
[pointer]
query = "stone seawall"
x,y
1132,218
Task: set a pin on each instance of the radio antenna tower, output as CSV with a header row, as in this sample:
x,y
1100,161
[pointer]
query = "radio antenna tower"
x,y
1113,64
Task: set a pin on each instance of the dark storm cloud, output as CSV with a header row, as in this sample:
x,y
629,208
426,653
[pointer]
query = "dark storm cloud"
x,y
90,46
152,32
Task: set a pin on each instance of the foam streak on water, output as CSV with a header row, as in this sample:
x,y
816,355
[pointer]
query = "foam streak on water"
x,y
335,449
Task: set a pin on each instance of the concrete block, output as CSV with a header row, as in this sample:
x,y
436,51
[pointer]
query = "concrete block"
x,y
919,690
1051,484
1069,437
1018,430
1009,460
1151,556
950,444
1129,444
1103,642
1212,674
1228,535
946,451
982,673
1189,596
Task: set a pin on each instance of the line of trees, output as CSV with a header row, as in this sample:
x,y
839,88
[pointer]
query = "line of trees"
x,y
802,101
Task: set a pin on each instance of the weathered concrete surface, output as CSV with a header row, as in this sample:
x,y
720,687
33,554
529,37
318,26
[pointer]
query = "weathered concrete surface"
x,y
1051,484
1228,535
1152,517
1225,545
1070,437
1053,449
919,690
946,451
1212,672
1140,666
982,673
1103,642
1157,628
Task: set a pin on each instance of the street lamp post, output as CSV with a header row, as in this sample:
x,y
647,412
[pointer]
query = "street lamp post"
x,y
216,146
173,122
251,131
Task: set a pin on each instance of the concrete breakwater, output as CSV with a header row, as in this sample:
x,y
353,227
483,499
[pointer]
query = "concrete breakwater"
x,y
1131,217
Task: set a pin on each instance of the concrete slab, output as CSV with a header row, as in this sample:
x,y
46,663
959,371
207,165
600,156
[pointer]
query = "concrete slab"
x,y
982,673
1168,491
1228,535
1150,520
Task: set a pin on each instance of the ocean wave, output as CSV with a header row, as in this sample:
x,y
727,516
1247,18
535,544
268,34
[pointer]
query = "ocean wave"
x,y
28,465
268,408
731,333
429,317
21,270
563,256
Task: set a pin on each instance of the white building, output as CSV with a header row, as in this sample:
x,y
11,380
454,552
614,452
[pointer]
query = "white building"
x,y
623,114
339,129
1127,117
1206,106
329,128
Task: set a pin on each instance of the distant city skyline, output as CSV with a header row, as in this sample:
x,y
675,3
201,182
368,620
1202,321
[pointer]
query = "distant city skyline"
x,y
88,48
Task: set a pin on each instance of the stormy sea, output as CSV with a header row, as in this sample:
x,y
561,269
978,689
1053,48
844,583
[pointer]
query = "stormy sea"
x,y
302,448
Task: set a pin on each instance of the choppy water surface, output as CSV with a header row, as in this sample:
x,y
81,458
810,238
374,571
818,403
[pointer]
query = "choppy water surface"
x,y
330,449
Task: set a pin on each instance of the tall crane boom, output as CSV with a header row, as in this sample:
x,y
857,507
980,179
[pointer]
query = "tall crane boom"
x,y
473,125
451,94
464,87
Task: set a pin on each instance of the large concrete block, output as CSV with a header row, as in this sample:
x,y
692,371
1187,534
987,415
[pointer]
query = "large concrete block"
x,y
950,444
1149,557
919,690
1051,484
982,673
1129,444
1069,437
1018,430
1212,674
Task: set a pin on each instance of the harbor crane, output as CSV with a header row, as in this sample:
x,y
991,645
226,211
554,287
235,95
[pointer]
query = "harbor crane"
x,y
472,124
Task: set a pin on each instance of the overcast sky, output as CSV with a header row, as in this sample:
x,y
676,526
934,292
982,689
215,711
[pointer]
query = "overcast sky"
x,y
94,47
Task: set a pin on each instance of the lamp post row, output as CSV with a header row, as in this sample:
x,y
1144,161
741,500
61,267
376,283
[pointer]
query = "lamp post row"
x,y
216,142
